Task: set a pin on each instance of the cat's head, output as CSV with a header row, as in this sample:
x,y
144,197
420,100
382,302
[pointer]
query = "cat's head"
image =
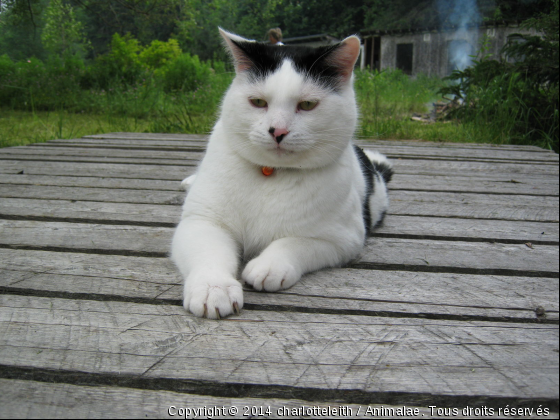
x,y
288,106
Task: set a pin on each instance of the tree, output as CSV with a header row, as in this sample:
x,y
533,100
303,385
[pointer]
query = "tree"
x,y
20,28
62,33
144,20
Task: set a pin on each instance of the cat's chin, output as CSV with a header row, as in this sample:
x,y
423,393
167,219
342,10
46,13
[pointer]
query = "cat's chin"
x,y
286,159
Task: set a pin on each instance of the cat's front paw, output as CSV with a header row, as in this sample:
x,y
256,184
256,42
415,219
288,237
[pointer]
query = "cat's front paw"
x,y
213,297
271,275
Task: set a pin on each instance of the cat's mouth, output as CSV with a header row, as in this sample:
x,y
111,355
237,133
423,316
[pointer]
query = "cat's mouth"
x,y
281,151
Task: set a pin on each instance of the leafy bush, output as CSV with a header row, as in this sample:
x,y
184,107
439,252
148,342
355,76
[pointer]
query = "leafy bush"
x,y
121,65
185,73
159,53
8,80
34,85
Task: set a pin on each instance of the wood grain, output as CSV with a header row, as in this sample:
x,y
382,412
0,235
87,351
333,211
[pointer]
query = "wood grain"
x,y
409,203
300,350
380,252
108,402
341,289
453,302
534,186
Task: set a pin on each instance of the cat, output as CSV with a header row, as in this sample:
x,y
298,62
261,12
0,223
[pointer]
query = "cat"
x,y
281,184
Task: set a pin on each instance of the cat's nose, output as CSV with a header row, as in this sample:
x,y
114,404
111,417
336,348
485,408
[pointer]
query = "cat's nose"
x,y
278,133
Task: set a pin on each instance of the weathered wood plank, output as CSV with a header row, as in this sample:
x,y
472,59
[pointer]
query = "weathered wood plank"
x,y
365,141
410,203
467,255
523,157
149,136
501,184
468,229
150,214
103,159
378,251
102,150
54,400
95,169
398,147
109,195
192,146
88,182
517,157
416,294
477,206
118,237
180,158
498,185
471,169
188,145
90,211
410,167
491,185
41,149
398,151
424,143
394,150
283,349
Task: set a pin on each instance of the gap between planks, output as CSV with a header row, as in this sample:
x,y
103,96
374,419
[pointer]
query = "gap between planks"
x,y
310,351
114,277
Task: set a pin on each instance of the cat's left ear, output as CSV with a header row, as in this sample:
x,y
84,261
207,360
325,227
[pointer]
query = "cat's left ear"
x,y
233,43
344,56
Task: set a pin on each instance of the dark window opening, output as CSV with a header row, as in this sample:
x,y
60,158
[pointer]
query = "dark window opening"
x,y
405,54
373,53
377,53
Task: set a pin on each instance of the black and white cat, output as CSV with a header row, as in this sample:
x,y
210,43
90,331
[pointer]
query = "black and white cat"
x,y
281,185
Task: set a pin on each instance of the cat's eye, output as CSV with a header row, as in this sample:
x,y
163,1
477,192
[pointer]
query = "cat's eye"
x,y
259,103
307,105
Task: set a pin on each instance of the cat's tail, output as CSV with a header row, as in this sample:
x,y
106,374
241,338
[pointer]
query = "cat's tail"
x,y
379,198
382,165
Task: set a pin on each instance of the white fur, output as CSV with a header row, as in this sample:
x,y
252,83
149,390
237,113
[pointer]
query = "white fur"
x,y
306,216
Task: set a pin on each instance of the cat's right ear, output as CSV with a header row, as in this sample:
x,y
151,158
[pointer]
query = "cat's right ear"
x,y
234,43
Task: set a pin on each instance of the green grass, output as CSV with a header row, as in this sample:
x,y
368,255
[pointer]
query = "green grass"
x,y
22,127
386,101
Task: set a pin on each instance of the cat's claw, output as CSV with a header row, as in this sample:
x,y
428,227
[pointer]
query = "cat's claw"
x,y
236,308
270,275
213,299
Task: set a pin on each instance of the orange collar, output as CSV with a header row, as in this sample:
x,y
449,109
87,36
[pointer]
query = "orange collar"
x,y
267,170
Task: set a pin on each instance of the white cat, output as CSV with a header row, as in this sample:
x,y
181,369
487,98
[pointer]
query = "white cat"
x,y
281,185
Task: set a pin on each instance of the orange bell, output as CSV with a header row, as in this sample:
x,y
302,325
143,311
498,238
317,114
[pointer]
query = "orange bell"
x,y
267,170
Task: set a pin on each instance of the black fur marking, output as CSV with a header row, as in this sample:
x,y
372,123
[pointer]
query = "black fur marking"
x,y
369,172
311,62
381,219
384,170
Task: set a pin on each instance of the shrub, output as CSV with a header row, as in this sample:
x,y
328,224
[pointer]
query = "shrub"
x,y
121,66
8,80
185,73
159,53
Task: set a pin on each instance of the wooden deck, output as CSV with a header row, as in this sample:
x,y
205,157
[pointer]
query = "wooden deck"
x,y
454,303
